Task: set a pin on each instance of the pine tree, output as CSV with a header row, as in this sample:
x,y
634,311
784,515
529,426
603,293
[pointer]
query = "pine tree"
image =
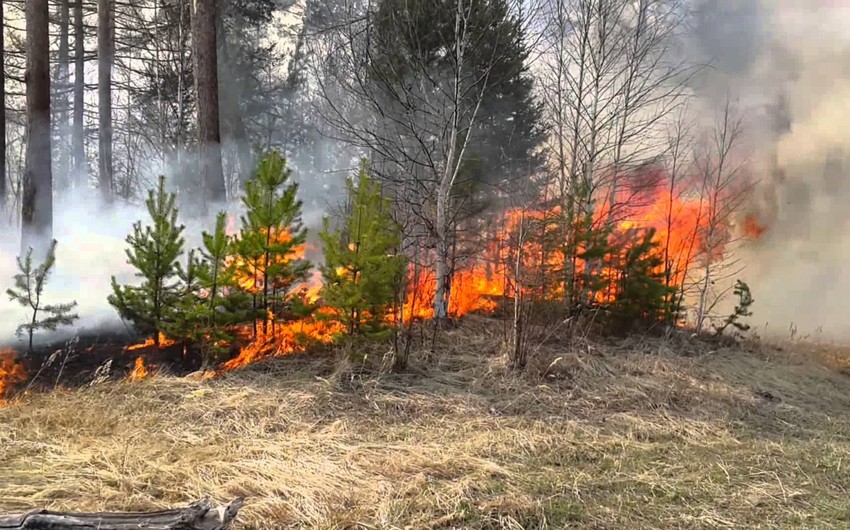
x,y
362,270
154,252
267,249
742,309
641,295
210,304
28,290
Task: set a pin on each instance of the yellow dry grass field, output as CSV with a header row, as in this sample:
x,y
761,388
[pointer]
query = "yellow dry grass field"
x,y
627,435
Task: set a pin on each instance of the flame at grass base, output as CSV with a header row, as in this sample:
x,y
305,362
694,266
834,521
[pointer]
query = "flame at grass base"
x,y
140,371
283,338
11,372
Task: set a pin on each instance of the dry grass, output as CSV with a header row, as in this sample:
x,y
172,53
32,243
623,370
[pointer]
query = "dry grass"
x,y
595,436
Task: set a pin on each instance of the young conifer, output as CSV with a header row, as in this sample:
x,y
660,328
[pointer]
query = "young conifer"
x,y
742,309
269,266
641,295
363,270
28,291
211,304
154,252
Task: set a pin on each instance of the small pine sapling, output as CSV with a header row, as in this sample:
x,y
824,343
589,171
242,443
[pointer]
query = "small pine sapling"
x,y
154,252
210,305
29,290
269,265
641,295
362,269
742,309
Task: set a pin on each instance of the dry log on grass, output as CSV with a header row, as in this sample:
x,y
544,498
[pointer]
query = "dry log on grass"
x,y
198,516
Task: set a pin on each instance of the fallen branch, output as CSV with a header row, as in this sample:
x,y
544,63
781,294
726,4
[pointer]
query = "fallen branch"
x,y
197,516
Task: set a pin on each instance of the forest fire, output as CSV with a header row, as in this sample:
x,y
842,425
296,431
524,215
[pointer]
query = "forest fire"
x,y
527,252
679,224
11,372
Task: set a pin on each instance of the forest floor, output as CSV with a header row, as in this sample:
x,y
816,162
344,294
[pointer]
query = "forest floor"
x,y
635,434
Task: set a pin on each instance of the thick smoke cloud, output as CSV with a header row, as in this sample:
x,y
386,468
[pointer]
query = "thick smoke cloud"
x,y
787,64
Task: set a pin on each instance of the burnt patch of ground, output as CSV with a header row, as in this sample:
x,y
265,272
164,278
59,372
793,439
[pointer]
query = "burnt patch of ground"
x,y
100,353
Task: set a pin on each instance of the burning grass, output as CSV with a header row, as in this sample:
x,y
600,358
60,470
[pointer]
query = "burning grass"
x,y
630,435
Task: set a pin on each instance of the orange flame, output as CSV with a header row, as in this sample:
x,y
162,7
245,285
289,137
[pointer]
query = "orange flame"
x,y
679,221
139,372
250,272
164,342
11,372
477,284
283,338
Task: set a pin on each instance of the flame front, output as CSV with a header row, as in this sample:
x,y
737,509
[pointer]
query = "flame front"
x,y
483,282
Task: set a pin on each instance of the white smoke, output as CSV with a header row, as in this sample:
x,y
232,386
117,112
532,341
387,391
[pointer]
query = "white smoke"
x,y
788,64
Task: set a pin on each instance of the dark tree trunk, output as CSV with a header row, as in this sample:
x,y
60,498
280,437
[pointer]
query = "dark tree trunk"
x,y
60,88
230,111
78,145
198,516
3,189
105,57
206,79
37,203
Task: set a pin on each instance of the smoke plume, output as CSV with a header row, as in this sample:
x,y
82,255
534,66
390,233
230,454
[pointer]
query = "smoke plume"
x,y
787,65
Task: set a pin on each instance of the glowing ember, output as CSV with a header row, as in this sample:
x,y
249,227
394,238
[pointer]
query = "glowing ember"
x,y
139,372
11,372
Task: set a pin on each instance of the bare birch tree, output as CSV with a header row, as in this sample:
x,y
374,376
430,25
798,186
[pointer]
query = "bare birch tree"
x,y
78,146
415,86
725,187
61,105
3,175
608,81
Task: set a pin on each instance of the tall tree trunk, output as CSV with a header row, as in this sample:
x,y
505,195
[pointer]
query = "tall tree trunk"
x,y
78,145
231,113
206,78
105,57
3,191
63,162
37,203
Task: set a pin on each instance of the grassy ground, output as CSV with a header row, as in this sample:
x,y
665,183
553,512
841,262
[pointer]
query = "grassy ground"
x,y
629,435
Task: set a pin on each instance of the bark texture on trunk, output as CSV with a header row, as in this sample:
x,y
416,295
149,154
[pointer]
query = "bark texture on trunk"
x,y
105,57
206,79
3,188
78,146
441,295
37,200
198,516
